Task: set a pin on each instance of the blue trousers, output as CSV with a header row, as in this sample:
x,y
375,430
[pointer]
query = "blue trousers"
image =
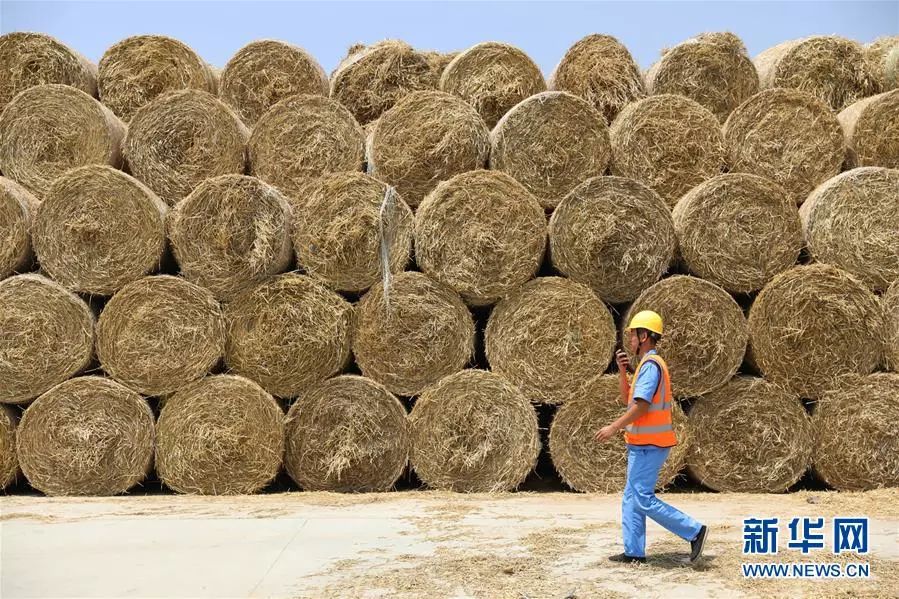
x,y
640,501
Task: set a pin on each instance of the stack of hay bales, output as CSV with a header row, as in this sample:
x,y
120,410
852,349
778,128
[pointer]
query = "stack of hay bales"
x,y
636,193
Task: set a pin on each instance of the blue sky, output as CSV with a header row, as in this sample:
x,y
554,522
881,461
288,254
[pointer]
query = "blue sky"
x,y
543,29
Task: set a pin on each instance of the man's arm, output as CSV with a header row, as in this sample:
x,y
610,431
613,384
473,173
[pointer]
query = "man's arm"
x,y
639,408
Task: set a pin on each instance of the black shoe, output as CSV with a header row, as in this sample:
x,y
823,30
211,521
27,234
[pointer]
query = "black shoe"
x,y
698,544
627,559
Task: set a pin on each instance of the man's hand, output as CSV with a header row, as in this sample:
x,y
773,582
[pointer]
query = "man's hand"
x,y
605,433
623,363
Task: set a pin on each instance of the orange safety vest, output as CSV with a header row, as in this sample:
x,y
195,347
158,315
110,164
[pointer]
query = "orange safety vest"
x,y
654,427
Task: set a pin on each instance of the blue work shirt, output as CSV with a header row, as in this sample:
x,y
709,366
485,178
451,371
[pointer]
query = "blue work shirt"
x,y
647,380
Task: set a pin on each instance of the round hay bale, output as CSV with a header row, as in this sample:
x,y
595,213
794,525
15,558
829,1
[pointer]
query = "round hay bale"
x,y
9,463
667,142
592,467
138,69
221,435
17,207
231,233
372,79
548,337
264,72
749,436
601,70
439,61
473,432
856,447
787,136
551,143
86,436
426,138
871,128
613,234
181,138
159,333
812,324
340,227
712,69
738,231
891,313
29,59
493,77
49,129
481,233
416,334
831,68
288,334
883,57
852,221
705,332
48,336
347,434
304,137
98,229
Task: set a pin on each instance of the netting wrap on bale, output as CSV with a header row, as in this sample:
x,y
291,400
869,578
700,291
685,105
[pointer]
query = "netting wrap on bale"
x,y
181,138
97,229
738,231
592,467
29,59
749,436
372,79
481,233
493,77
222,435
231,233
17,207
48,336
9,462
86,436
159,333
601,70
871,128
705,332
264,72
138,69
613,234
342,226
813,323
473,432
549,337
347,434
787,136
891,314
304,137
412,334
852,221
427,137
856,446
883,56
831,68
667,142
288,334
551,143
49,129
712,69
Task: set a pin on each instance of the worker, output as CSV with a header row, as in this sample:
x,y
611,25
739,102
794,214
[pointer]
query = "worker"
x,y
649,437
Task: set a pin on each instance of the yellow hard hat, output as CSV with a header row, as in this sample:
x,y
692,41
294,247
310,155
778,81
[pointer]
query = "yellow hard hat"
x,y
647,319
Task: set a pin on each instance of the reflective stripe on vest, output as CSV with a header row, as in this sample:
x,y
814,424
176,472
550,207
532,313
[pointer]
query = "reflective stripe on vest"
x,y
655,426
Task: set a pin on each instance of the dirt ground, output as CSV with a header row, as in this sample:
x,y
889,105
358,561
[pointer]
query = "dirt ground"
x,y
409,544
